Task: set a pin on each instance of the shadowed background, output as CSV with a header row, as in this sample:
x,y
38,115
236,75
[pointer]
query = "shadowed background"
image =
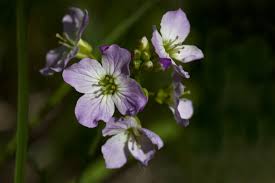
x,y
231,135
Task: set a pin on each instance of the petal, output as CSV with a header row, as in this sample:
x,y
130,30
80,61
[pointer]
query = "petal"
x,y
129,99
103,48
84,75
91,108
174,26
130,122
116,60
165,63
178,87
141,148
155,139
75,22
84,24
185,108
188,53
158,45
54,61
114,127
181,121
180,71
57,59
114,151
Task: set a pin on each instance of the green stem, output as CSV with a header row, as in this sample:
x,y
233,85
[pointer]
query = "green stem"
x,y
125,25
22,105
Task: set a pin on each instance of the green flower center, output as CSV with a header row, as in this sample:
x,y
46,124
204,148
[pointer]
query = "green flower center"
x,y
172,47
108,85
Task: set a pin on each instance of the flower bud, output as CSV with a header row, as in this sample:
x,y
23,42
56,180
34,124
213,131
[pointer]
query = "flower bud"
x,y
148,65
144,43
162,96
145,56
137,64
137,54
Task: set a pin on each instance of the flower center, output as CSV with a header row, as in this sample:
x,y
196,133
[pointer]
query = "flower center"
x,y
108,85
172,46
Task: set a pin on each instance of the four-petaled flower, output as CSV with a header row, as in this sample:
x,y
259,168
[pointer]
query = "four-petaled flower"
x,y
74,24
108,85
105,86
128,137
169,45
182,108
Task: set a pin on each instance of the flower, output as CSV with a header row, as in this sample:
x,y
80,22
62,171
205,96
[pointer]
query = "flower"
x,y
182,108
169,45
105,86
74,24
128,137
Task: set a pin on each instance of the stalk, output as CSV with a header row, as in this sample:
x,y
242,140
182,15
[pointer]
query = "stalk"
x,y
22,94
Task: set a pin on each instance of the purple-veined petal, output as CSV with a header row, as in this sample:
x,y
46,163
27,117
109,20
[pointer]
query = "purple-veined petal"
x,y
84,24
129,99
103,48
113,127
57,59
179,120
84,75
188,53
180,71
174,26
75,22
165,63
178,87
54,61
91,108
157,42
116,60
185,108
155,139
114,151
131,122
180,109
141,148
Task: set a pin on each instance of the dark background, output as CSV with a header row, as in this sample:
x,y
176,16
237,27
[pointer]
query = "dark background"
x,y
231,135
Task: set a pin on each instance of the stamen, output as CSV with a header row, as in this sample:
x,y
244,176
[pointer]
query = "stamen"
x,y
65,44
108,86
57,35
65,40
95,85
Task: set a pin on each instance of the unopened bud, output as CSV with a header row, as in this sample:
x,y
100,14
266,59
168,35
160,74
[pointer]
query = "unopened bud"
x,y
137,64
144,43
162,96
148,65
145,56
137,54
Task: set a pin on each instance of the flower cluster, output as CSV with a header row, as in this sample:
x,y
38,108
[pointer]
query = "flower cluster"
x,y
108,86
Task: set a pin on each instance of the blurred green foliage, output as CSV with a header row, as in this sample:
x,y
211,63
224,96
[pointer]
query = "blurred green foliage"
x,y
231,135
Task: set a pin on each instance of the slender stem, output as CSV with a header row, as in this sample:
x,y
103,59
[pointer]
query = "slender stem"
x,y
131,20
22,105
